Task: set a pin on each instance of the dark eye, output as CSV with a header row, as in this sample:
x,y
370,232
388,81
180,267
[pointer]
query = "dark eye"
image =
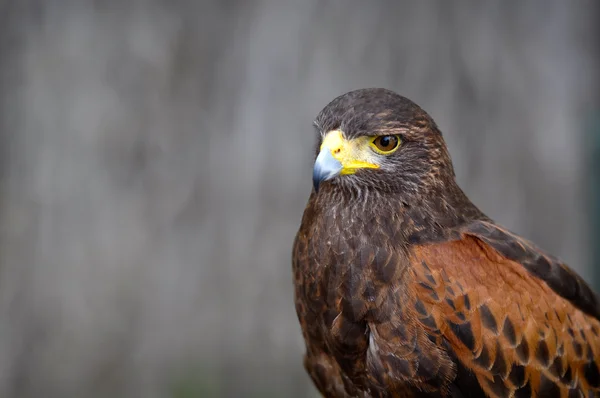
x,y
386,143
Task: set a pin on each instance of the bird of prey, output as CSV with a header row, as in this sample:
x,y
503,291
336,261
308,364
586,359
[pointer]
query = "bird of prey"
x,y
404,288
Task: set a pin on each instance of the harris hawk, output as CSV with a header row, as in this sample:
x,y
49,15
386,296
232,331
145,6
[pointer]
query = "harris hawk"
x,y
404,288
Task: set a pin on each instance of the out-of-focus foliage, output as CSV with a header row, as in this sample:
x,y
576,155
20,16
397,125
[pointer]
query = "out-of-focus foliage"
x,y
155,159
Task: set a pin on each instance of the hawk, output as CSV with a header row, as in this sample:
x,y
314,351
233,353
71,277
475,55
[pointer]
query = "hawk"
x,y
404,288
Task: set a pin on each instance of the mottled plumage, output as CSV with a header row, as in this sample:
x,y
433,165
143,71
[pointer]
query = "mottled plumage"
x,y
404,288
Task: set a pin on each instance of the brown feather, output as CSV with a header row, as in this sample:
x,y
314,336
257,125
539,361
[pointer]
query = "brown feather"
x,y
404,288
511,310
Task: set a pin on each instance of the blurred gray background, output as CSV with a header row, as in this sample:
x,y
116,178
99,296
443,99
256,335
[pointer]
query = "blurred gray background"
x,y
155,160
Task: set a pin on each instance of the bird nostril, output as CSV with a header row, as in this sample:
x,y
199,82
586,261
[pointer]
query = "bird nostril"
x,y
337,151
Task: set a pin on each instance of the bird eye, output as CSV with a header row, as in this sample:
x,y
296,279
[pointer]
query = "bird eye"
x,y
385,144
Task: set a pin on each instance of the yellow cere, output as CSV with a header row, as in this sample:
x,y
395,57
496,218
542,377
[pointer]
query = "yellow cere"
x,y
352,154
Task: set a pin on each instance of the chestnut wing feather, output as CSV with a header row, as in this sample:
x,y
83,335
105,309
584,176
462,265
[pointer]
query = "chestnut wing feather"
x,y
557,275
516,321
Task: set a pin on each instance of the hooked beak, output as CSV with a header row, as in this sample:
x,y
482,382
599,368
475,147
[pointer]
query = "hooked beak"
x,y
341,156
326,167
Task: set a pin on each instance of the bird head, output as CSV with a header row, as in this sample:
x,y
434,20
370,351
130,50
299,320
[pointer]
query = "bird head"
x,y
376,139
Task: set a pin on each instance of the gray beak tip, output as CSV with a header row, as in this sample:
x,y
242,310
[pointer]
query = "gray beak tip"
x,y
326,167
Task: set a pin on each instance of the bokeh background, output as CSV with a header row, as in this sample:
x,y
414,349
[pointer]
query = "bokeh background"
x,y
155,160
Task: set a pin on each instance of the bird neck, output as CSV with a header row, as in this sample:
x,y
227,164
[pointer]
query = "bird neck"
x,y
439,215
433,217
